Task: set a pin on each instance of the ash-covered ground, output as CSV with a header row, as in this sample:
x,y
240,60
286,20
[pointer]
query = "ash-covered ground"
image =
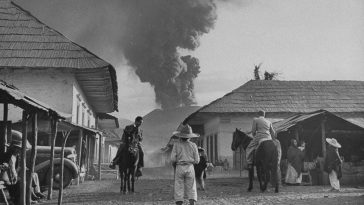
x,y
156,187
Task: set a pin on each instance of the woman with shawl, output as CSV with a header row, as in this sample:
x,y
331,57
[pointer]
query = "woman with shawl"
x,y
295,159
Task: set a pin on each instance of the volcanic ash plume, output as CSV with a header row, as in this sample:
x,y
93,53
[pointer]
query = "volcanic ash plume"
x,y
154,32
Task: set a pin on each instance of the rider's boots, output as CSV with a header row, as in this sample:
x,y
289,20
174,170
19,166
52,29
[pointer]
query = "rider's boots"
x,y
112,165
139,172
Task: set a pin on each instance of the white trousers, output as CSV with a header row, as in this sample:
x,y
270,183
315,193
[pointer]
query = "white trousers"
x,y
185,182
334,182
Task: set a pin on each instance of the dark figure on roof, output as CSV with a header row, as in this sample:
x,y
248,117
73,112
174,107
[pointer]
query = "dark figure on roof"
x,y
132,131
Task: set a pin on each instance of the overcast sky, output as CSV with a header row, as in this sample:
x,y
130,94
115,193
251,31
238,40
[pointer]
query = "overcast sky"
x,y
300,39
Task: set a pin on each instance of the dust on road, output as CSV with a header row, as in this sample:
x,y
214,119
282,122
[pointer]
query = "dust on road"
x,y
219,191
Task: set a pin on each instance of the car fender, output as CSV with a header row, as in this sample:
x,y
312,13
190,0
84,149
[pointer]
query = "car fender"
x,y
68,163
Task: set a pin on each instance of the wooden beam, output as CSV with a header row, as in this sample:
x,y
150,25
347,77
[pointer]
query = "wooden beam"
x,y
32,157
79,154
323,144
354,132
323,137
53,142
296,134
23,165
3,141
100,155
60,193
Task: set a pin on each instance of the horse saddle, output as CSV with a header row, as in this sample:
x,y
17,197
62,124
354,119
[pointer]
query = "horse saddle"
x,y
133,149
262,140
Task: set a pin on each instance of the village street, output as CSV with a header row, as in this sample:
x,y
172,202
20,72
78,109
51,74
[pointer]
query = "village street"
x,y
221,189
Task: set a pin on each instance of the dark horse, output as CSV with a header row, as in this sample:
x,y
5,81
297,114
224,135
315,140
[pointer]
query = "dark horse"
x,y
128,162
265,160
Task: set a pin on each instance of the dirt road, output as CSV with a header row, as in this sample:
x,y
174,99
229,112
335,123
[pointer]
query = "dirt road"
x,y
228,190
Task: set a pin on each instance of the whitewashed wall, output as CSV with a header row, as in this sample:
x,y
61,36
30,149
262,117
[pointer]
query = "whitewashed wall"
x,y
56,87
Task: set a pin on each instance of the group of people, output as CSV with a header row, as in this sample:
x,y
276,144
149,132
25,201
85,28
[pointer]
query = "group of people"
x,y
190,161
332,163
10,168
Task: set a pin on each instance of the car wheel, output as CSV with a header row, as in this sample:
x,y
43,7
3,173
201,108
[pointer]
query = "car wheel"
x,y
67,176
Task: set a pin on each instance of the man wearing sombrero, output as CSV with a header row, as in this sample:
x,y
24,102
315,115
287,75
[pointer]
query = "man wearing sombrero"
x,y
333,163
185,155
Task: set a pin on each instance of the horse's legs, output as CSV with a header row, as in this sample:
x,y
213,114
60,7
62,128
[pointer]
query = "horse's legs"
x,y
133,179
125,181
251,176
121,180
260,175
266,173
128,179
275,176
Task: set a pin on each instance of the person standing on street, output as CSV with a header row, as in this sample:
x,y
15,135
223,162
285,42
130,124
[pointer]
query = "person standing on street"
x,y
333,163
184,155
262,130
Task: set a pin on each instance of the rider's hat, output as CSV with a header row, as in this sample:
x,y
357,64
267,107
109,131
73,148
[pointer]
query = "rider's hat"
x,y
185,131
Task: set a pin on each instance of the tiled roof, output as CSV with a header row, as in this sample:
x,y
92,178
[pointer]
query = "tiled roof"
x,y
291,96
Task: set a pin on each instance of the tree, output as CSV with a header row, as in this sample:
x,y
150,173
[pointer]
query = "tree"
x,y
256,71
267,75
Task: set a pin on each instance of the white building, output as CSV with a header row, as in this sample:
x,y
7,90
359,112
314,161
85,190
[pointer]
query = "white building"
x,y
280,99
46,65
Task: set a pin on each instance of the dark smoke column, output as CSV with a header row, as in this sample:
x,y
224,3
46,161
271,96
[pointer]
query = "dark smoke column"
x,y
154,32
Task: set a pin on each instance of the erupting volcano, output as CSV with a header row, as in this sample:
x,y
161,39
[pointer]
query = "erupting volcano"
x,y
155,33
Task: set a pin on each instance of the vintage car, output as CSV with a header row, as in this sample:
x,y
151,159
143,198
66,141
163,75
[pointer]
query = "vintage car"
x,y
42,166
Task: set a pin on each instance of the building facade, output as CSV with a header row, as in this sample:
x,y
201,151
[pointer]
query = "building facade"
x,y
280,99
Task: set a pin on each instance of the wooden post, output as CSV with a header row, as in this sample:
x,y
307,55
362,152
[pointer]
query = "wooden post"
x,y
53,142
65,137
86,157
23,164
3,141
323,144
79,154
241,162
296,133
32,156
100,155
323,137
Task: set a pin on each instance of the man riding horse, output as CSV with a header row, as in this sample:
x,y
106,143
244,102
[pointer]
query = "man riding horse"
x,y
132,131
262,130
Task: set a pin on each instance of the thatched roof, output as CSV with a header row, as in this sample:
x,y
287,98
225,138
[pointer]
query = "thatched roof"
x,y
26,42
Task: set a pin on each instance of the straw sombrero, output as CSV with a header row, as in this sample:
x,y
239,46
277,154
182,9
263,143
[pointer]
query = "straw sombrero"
x,y
185,131
333,142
